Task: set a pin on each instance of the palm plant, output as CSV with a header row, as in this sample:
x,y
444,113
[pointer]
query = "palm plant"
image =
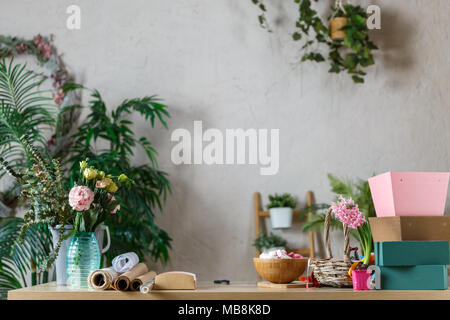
x,y
17,264
133,228
24,111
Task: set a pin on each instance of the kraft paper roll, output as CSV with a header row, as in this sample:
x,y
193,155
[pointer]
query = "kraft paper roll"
x,y
102,279
136,283
122,283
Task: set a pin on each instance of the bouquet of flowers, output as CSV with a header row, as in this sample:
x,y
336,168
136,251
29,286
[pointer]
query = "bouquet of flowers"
x,y
347,211
93,196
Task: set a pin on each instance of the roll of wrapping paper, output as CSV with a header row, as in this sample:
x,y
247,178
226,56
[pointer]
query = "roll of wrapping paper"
x,y
136,283
122,282
146,287
102,279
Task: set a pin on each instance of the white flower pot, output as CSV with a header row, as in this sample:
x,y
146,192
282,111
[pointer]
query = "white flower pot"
x,y
60,262
280,218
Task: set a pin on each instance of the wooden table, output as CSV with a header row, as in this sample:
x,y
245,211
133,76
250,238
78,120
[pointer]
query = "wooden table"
x,y
207,291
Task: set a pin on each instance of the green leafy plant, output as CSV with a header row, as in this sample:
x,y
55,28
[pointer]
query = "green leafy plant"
x,y
133,228
284,200
364,236
43,192
351,54
262,17
264,241
17,260
24,111
26,115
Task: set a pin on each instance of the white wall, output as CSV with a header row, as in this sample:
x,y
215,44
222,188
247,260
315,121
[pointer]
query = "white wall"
x,y
211,61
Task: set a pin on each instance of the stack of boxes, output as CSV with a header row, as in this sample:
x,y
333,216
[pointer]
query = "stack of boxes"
x,y
411,234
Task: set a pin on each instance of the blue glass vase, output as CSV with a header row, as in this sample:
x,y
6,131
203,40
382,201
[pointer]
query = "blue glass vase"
x,y
83,257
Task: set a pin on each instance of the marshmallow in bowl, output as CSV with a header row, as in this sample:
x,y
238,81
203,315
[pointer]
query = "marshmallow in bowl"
x,y
279,254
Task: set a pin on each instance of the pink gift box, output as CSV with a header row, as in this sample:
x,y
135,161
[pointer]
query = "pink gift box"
x,y
409,193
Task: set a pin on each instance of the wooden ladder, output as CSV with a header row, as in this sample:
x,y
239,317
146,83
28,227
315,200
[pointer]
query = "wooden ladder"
x,y
260,214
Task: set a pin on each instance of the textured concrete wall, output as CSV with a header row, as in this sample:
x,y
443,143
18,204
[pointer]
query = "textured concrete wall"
x,y
211,61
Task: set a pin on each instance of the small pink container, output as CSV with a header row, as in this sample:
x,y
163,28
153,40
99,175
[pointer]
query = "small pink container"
x,y
409,193
360,279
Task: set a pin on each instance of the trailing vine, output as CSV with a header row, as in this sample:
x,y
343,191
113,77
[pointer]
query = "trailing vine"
x,y
351,54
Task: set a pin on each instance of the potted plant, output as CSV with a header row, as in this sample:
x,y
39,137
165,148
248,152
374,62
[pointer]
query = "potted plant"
x,y
43,191
346,41
281,208
337,22
265,243
93,200
348,213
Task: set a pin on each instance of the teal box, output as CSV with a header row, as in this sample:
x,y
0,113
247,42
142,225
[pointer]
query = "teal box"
x,y
411,253
425,277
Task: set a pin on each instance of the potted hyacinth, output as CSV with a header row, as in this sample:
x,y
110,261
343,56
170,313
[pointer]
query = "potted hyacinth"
x,y
281,208
93,200
347,212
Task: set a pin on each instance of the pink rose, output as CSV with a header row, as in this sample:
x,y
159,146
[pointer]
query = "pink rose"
x,y
80,198
112,198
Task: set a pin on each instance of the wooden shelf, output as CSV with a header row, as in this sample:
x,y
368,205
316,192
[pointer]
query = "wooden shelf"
x,y
207,291
260,214
267,214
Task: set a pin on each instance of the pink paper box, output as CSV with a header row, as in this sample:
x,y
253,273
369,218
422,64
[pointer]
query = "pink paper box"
x,y
409,193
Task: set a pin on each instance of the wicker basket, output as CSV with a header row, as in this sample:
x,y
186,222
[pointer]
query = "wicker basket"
x,y
332,272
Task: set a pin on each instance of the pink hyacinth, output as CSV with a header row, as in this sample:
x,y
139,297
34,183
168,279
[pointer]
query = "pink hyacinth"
x,y
348,212
80,198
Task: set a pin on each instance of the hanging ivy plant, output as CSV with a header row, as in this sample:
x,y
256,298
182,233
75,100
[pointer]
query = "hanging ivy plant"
x,y
351,53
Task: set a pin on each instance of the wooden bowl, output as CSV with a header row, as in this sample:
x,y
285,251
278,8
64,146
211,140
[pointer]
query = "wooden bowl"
x,y
280,270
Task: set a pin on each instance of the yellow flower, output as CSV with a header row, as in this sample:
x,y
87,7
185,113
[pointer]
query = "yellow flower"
x,y
90,173
83,165
112,187
122,178
103,183
101,174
